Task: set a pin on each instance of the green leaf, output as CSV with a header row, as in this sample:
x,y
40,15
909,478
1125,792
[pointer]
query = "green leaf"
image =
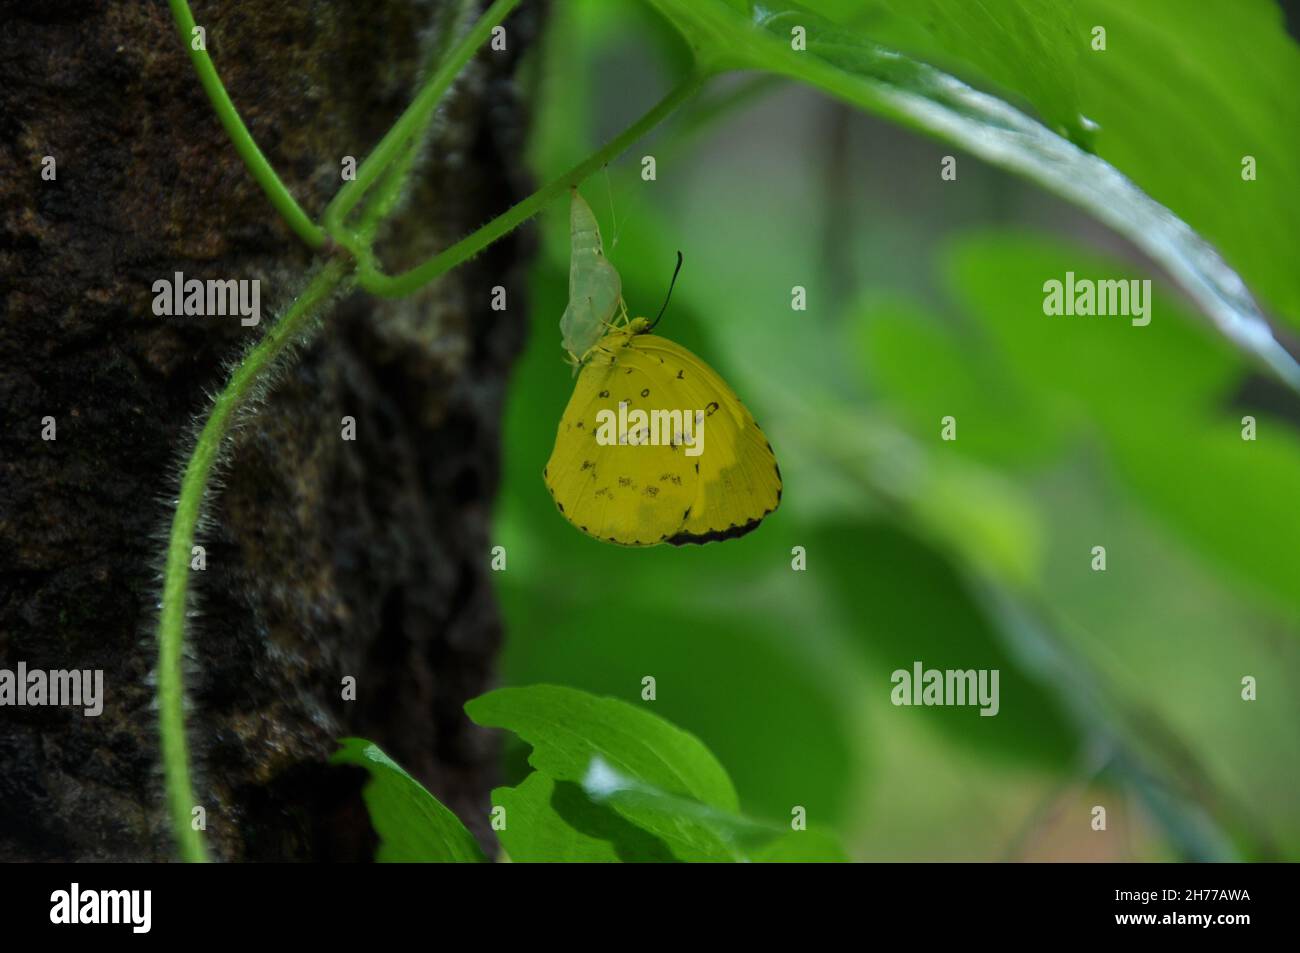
x,y
1028,46
567,728
1182,92
746,34
650,787
413,826
745,839
549,821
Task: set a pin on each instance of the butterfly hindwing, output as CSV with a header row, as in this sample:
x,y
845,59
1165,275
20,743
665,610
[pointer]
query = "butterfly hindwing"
x,y
740,482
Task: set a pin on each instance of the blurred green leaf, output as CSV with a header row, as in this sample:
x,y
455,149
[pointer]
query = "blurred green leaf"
x,y
413,826
1156,396
923,371
910,605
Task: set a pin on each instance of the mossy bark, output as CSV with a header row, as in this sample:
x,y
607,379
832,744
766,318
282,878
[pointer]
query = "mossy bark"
x,y
326,558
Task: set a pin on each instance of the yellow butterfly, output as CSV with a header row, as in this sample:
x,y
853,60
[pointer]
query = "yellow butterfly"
x,y
654,447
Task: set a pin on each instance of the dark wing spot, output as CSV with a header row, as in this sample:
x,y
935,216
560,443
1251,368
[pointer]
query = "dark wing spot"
x,y
645,392
579,426
544,471
711,408
587,464
697,468
560,505
628,371
603,393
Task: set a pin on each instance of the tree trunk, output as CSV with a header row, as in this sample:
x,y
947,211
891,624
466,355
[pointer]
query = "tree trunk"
x,y
326,558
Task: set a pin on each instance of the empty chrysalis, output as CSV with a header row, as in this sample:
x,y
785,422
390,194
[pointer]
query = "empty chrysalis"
x,y
595,291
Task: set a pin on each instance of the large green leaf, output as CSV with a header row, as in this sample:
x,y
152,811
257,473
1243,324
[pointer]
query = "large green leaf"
x,y
413,826
747,34
1182,92
1031,47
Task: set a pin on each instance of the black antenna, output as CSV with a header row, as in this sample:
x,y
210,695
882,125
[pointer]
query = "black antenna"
x,y
669,296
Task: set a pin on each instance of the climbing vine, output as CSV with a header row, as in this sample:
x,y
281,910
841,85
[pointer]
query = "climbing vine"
x,y
347,259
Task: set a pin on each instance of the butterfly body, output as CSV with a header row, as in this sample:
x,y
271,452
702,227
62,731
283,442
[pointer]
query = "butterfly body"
x,y
654,447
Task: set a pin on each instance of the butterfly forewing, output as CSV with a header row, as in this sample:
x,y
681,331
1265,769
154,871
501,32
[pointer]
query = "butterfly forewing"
x,y
636,493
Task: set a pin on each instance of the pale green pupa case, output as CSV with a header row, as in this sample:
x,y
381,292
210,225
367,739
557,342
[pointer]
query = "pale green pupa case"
x,y
594,286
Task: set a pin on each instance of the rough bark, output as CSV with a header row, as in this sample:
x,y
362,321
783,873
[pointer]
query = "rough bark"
x,y
325,558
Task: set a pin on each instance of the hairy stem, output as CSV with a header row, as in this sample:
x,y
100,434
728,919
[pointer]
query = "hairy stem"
x,y
408,282
171,621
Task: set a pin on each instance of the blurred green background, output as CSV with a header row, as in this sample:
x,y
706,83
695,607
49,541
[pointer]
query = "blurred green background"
x,y
1119,688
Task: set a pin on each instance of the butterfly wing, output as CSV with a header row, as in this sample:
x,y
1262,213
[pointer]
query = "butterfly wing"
x,y
642,494
740,481
632,494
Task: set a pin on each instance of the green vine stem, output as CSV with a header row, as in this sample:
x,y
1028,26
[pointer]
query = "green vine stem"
x,y
415,118
408,282
275,190
171,624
